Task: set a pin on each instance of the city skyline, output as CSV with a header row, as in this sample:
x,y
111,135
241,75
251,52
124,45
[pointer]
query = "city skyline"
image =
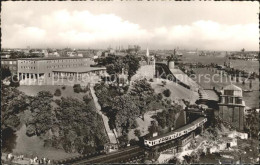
x,y
158,25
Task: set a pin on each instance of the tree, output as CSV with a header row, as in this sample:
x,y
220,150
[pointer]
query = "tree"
x,y
127,111
137,133
87,98
123,140
132,63
13,102
252,123
14,81
77,88
163,83
5,72
153,127
167,93
57,92
80,127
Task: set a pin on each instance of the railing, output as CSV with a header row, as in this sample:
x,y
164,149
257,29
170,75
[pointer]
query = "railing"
x,y
80,157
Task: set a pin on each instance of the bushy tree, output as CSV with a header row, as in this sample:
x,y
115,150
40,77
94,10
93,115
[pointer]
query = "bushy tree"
x,y
87,98
14,81
5,72
137,133
80,128
41,110
132,64
13,102
167,93
77,88
57,92
252,123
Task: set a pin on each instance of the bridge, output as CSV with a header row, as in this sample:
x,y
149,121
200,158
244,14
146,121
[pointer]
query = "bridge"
x,y
132,154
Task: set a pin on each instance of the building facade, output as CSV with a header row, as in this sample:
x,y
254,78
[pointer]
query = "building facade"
x,y
232,106
39,70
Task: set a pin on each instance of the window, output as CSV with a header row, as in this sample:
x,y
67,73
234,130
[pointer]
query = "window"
x,y
231,100
229,92
226,100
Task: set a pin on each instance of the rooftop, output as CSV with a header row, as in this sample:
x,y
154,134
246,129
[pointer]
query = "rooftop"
x,y
232,87
51,58
79,69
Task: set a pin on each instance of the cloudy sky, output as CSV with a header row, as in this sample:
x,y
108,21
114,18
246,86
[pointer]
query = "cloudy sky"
x,y
157,25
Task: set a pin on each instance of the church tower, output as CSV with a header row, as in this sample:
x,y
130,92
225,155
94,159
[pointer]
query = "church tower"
x,y
232,106
147,53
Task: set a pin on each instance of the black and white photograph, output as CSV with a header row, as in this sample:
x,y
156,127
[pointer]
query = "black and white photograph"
x,y
129,81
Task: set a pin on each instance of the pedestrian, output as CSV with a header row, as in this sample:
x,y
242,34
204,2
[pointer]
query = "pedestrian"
x,y
30,161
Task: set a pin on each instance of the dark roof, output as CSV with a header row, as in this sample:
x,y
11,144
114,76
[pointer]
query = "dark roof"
x,y
79,69
51,58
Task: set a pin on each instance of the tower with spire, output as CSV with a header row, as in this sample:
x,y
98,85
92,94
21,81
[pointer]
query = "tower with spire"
x,y
147,53
150,60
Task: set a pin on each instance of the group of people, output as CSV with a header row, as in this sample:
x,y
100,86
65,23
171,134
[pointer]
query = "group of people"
x,y
10,157
36,160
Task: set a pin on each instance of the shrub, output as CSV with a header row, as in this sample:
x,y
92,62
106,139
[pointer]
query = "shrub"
x,y
77,88
57,101
151,80
87,98
137,133
159,96
167,93
57,92
63,88
163,83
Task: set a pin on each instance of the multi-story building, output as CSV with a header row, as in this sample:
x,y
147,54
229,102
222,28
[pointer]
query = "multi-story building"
x,y
232,106
40,69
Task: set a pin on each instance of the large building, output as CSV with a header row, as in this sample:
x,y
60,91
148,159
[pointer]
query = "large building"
x,y
232,106
40,70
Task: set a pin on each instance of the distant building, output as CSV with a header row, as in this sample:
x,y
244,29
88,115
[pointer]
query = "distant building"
x,y
232,106
72,54
45,53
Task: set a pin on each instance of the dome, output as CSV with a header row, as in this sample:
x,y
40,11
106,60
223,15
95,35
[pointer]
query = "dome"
x,y
232,87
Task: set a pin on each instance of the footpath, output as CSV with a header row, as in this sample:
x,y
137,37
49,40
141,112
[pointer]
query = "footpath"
x,y
111,133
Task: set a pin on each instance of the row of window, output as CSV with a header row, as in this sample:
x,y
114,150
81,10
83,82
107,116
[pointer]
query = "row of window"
x,y
64,60
64,66
27,67
27,62
231,100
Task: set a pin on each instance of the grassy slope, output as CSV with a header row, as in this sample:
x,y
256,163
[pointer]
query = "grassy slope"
x,y
177,94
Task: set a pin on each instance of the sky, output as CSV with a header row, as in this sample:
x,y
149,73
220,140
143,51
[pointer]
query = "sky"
x,y
156,24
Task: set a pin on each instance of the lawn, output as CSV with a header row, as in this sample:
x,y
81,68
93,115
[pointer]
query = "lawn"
x,y
67,92
178,92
